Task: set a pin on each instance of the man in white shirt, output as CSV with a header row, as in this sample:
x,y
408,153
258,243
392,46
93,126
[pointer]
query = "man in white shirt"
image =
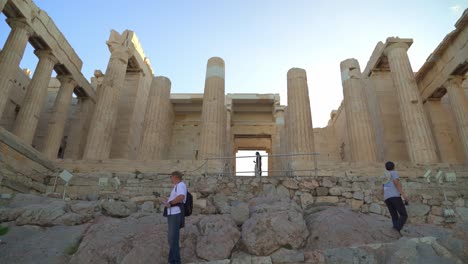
x,y
175,215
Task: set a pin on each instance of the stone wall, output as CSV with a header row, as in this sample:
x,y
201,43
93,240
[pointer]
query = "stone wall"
x,y
22,168
361,193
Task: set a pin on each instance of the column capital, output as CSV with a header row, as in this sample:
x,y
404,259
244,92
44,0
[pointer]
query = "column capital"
x,y
66,78
215,68
120,52
46,54
350,70
456,78
296,73
20,23
395,45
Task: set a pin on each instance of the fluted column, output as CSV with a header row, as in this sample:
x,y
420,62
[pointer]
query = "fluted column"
x,y
103,120
81,119
300,133
213,111
418,134
155,139
59,117
459,106
358,122
10,57
36,93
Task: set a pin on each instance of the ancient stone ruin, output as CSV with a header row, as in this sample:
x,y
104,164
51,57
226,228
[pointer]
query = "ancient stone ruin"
x,y
87,160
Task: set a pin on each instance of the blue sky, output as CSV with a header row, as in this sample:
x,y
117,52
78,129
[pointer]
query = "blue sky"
x,y
258,39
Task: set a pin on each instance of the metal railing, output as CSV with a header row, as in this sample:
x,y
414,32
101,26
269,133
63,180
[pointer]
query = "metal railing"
x,y
287,168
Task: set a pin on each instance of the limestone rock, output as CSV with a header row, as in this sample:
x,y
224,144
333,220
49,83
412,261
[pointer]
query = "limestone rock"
x,y
375,208
244,258
147,206
356,204
459,202
86,208
34,244
118,209
206,186
462,212
345,228
327,199
142,199
287,256
327,183
272,226
219,235
347,195
41,214
306,199
335,191
240,212
322,191
417,209
309,184
221,203
290,184
358,195
282,192
125,240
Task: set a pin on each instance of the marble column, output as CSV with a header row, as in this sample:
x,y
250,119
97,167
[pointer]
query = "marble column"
x,y
277,140
301,135
10,57
157,119
459,106
104,118
213,111
36,94
79,128
58,117
418,134
358,121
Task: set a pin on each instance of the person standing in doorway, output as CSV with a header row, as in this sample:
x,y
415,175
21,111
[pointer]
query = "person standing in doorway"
x,y
394,197
175,215
258,164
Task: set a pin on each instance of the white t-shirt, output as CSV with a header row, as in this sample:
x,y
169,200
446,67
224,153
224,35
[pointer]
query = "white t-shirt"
x,y
181,190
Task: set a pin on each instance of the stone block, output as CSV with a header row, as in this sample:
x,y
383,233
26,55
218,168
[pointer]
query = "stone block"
x,y
375,208
459,202
327,199
290,184
335,191
462,212
347,195
417,209
287,256
356,204
327,183
358,195
306,199
436,220
437,211
322,191
309,184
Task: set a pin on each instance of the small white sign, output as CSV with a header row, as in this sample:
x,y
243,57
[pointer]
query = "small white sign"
x,y
66,176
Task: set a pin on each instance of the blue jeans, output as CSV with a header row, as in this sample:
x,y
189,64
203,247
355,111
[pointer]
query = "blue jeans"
x,y
173,237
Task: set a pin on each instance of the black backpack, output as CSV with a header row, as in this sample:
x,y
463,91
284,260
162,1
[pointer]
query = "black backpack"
x,y
188,205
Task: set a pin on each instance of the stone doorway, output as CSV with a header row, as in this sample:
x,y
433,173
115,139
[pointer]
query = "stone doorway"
x,y
247,145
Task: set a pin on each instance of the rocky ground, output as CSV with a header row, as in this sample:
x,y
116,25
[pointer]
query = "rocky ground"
x,y
263,230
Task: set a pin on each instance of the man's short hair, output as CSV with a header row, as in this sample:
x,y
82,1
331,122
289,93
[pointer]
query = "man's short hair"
x,y
177,174
389,165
